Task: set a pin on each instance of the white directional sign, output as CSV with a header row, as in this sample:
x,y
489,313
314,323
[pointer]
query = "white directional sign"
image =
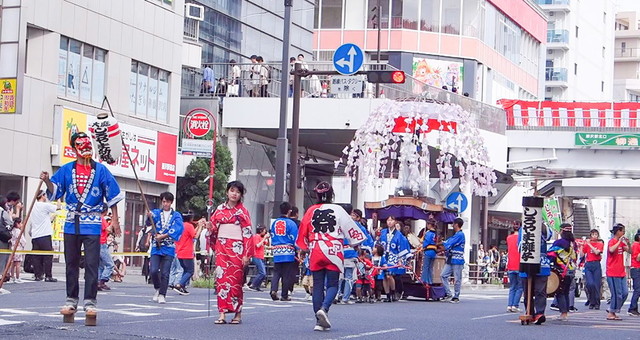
x,y
347,84
348,59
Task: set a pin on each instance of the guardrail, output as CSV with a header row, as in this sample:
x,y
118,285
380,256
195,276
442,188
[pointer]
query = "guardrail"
x,y
627,52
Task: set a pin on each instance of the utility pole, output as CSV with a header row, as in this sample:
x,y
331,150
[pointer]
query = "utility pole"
x,y
281,144
378,51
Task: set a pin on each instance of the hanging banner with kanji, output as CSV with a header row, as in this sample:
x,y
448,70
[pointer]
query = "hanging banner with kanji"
x,y
8,95
153,153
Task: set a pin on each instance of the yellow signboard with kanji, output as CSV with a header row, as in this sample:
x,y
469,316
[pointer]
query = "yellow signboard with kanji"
x,y
8,95
58,224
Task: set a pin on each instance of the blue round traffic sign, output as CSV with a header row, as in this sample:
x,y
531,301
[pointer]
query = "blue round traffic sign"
x,y
348,59
457,201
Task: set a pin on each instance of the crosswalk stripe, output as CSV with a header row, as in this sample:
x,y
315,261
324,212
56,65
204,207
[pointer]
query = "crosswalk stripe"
x,y
7,322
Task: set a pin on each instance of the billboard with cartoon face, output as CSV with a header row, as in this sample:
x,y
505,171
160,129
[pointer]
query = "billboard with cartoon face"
x,y
437,73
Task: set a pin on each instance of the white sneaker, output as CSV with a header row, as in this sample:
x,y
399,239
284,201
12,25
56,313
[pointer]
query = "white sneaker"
x,y
18,281
156,295
516,309
308,297
509,309
323,318
320,328
161,299
12,280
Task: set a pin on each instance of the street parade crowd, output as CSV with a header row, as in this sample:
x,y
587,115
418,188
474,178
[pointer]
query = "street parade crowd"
x,y
331,251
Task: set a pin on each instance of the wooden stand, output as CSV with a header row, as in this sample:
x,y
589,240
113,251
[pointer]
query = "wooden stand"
x,y
90,318
528,316
68,316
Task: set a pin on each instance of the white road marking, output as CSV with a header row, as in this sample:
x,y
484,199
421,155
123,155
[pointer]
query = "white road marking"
x,y
360,335
129,313
7,322
271,300
186,310
17,311
186,303
136,305
493,316
270,305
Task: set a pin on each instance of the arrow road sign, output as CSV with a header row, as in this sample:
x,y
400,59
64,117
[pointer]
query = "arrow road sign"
x,y
457,201
348,59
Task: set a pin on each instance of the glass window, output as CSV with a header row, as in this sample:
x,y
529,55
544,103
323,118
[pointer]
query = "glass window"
x,y
396,14
331,14
81,70
163,95
62,65
410,15
472,15
149,91
97,82
353,18
373,14
451,17
133,86
152,99
430,16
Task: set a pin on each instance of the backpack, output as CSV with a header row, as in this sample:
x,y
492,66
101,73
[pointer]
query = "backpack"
x,y
5,228
145,240
268,73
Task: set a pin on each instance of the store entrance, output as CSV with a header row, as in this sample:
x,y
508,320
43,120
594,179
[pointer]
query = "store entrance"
x,y
134,219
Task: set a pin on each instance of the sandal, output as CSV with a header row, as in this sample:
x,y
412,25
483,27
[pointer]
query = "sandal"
x,y
220,322
615,318
235,321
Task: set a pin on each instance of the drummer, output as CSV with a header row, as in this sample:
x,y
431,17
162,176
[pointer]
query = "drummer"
x,y
540,281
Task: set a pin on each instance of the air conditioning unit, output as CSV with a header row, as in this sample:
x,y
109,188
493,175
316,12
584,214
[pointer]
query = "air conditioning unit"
x,y
194,11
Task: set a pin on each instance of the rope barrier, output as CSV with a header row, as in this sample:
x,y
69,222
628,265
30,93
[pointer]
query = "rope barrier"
x,y
53,252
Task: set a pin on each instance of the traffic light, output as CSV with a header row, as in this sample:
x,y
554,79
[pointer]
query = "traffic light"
x,y
386,77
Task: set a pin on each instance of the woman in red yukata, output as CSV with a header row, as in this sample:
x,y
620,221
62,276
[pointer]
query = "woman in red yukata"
x,y
233,247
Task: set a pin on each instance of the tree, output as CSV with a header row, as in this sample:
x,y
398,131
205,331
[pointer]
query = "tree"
x,y
193,191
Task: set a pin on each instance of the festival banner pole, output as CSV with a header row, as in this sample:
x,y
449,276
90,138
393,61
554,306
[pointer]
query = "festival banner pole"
x,y
24,226
530,244
135,173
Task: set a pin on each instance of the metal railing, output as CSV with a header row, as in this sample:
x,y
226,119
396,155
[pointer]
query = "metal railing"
x,y
555,74
553,2
191,29
556,123
263,80
627,52
558,36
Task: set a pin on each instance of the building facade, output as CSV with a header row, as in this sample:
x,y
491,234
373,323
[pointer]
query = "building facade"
x,y
627,58
579,56
488,48
63,58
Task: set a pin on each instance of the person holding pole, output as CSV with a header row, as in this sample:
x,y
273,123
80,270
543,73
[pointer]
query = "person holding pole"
x,y
85,185
539,282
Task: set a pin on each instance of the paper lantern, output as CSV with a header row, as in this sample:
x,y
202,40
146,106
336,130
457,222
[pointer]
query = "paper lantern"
x,y
105,132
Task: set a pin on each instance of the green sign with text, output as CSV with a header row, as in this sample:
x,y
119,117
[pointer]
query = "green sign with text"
x,y
607,139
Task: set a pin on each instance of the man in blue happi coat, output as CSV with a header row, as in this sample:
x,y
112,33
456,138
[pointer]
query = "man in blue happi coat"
x,y
86,187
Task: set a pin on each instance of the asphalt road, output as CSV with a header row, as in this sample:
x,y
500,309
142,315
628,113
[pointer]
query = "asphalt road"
x,y
30,311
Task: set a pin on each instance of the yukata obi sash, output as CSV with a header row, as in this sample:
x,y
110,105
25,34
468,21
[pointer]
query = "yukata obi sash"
x,y
230,231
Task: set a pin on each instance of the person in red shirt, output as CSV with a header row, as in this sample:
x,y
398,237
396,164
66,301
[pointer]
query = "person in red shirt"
x,y
185,253
635,275
593,248
616,275
513,270
260,239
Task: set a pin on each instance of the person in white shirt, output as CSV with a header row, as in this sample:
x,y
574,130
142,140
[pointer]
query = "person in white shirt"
x,y
41,231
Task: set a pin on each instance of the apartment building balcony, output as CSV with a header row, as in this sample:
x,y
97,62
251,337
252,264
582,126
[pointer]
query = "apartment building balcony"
x,y
558,39
555,5
556,77
627,54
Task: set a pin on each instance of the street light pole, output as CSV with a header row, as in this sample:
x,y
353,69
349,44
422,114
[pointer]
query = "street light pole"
x,y
281,144
295,134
